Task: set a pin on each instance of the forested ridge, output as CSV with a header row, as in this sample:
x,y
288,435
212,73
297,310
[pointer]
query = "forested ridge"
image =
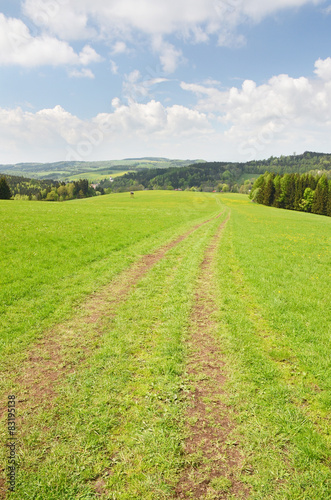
x,y
204,176
220,176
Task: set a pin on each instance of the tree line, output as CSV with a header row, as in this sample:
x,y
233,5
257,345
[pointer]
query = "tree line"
x,y
219,176
198,176
207,176
305,192
22,188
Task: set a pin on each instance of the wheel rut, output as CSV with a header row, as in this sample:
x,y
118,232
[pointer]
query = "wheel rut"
x,y
67,345
213,461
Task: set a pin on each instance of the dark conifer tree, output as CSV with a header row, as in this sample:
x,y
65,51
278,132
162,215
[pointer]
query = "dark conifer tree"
x,y
312,182
289,202
321,197
269,191
260,196
299,191
278,191
5,193
328,204
288,191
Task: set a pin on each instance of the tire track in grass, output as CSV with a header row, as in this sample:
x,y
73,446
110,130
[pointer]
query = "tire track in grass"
x,y
114,425
46,361
69,344
212,465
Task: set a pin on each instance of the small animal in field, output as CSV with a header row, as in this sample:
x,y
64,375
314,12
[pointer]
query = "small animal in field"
x,y
131,194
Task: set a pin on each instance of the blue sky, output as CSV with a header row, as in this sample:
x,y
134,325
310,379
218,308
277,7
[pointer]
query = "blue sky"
x,y
215,79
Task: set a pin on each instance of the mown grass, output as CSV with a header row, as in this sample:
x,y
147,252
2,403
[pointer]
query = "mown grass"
x,y
52,254
275,331
116,427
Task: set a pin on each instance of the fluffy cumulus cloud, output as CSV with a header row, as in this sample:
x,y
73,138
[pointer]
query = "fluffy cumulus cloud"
x,y
26,135
323,68
285,114
57,133
120,21
285,110
19,47
197,18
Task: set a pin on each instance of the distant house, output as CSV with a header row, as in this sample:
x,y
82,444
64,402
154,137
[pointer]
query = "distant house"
x,y
111,179
94,186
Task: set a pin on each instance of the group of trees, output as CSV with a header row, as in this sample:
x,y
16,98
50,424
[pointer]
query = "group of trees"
x,y
294,173
212,176
17,187
306,192
207,176
70,191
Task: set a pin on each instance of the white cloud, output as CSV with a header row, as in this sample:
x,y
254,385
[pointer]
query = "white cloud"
x,y
169,55
283,111
113,67
42,134
56,133
62,18
137,88
323,68
88,55
81,73
257,9
19,47
254,121
119,48
121,21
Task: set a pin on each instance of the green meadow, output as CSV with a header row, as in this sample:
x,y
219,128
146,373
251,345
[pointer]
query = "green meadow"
x,y
96,176
52,255
115,428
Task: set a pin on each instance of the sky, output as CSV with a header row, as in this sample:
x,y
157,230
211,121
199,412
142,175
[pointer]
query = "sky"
x,y
219,80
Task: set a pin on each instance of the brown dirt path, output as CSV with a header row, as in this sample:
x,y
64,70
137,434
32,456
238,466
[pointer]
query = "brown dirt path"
x,y
213,460
68,344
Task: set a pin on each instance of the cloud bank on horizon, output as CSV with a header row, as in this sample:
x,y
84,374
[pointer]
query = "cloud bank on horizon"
x,y
213,79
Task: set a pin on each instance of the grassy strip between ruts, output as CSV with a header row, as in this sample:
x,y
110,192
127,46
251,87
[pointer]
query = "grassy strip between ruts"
x,y
114,431
213,470
287,455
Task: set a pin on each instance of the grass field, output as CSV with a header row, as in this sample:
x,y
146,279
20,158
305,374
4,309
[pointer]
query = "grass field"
x,y
247,177
170,345
96,176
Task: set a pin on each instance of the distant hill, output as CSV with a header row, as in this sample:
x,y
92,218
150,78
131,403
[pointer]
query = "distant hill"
x,y
164,173
210,176
94,171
